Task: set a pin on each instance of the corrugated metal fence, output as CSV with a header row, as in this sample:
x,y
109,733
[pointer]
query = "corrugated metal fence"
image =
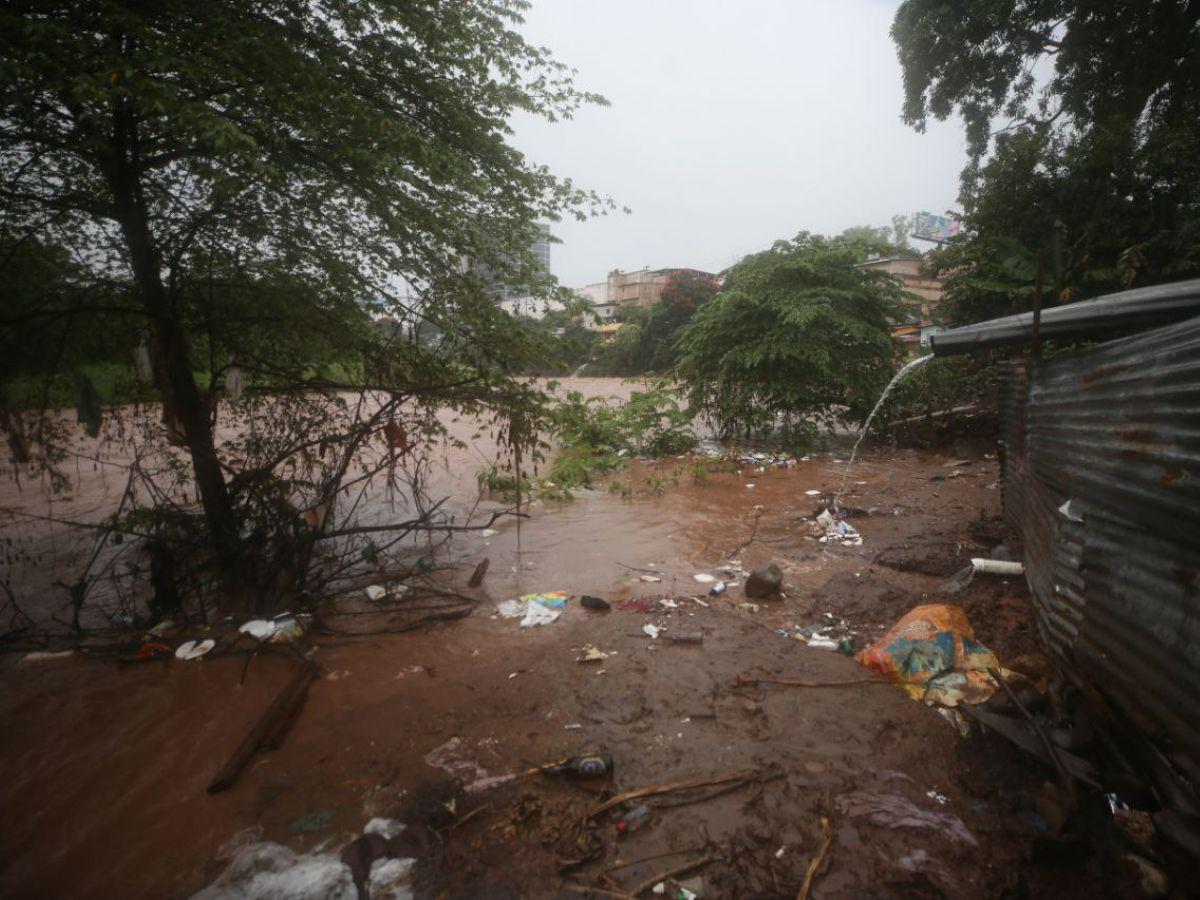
x,y
1101,455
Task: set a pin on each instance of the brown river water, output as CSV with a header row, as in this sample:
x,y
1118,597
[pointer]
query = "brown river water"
x,y
105,768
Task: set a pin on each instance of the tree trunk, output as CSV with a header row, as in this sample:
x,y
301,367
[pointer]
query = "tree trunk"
x,y
182,401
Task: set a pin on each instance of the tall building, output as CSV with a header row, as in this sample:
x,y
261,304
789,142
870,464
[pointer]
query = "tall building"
x,y
497,290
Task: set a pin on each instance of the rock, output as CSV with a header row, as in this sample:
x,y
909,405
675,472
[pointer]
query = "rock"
x,y
764,581
594,603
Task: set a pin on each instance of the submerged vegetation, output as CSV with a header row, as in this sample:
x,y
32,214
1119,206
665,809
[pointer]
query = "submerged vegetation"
x,y
798,338
595,436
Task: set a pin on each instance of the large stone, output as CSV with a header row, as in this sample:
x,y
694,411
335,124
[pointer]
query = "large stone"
x,y
764,581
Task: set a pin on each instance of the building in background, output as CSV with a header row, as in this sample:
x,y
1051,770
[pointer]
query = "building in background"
x,y
640,288
500,292
913,330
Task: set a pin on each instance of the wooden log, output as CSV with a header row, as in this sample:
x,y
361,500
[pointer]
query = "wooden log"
x,y
480,571
270,728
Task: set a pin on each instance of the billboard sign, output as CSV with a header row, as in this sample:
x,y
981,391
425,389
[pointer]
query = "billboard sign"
x,y
929,227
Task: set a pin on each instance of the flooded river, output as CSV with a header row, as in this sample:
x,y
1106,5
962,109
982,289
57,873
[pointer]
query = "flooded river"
x,y
106,767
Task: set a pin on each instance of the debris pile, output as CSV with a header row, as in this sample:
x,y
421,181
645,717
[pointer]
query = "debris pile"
x,y
932,654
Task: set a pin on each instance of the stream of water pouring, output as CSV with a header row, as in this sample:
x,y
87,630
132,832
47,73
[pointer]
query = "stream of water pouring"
x,y
908,367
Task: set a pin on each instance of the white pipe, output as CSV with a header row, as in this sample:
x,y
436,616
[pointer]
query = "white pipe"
x,y
997,567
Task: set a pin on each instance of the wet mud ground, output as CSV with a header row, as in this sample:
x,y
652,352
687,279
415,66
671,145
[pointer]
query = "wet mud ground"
x,y
105,769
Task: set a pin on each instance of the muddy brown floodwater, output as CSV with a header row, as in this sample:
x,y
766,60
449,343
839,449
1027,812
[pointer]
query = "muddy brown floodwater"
x,y
105,769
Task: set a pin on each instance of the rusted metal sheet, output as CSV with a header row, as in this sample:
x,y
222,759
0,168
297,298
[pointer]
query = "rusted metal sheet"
x,y
1102,480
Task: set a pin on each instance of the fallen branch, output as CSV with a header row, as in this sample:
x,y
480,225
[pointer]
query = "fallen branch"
x,y
818,860
674,873
750,540
637,568
480,571
1064,777
652,790
744,680
592,889
270,729
644,859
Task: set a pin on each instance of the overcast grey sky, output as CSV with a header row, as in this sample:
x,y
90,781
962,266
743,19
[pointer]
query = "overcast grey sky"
x,y
732,124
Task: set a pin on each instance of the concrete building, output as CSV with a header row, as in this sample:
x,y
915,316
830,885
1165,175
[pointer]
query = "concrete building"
x,y
500,292
534,307
641,288
912,333
910,272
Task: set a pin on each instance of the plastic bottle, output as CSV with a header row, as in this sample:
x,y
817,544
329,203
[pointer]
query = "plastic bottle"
x,y
599,765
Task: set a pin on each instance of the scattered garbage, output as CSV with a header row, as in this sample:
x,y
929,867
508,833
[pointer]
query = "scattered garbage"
x,y
633,820
828,527
717,589
488,532
264,870
534,609
450,758
764,581
380,859
259,629
932,654
813,493
894,810
194,649
166,626
592,653
649,579
599,765
704,578
43,655
284,627
652,630
152,650
962,578
288,628
374,592
311,822
595,604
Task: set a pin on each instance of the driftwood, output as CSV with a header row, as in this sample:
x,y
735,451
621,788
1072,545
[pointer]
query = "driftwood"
x,y
818,859
480,571
744,680
652,790
269,730
673,873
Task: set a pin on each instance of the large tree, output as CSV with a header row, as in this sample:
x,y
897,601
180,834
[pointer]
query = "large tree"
x,y
251,182
798,335
1083,126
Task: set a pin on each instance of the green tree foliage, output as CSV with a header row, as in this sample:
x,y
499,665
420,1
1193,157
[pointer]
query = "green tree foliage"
x,y
560,340
244,184
647,339
798,336
886,240
1083,125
